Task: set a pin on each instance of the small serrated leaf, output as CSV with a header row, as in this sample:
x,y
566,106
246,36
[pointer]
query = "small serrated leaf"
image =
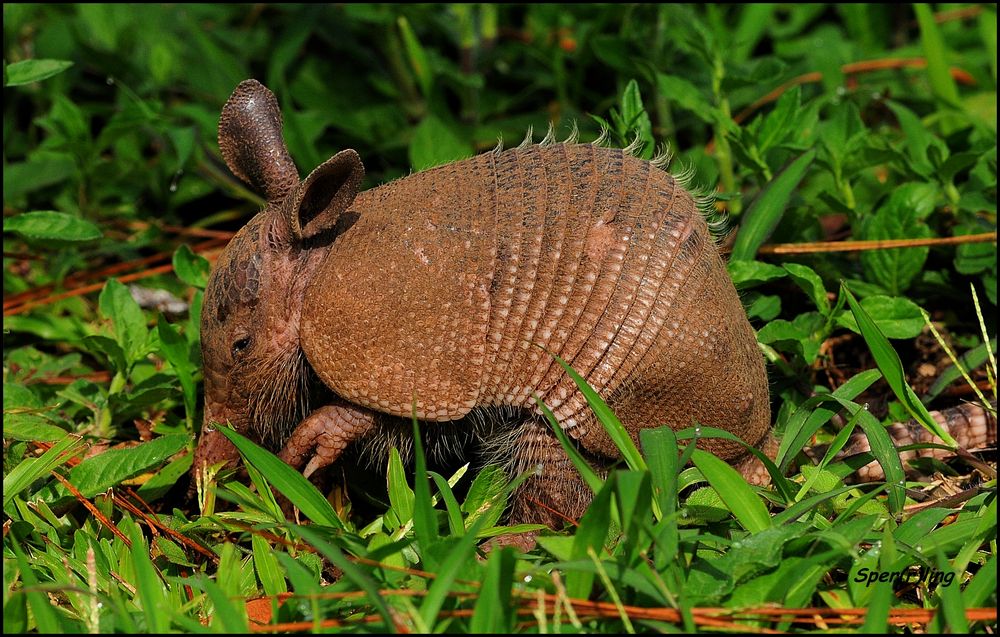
x,y
28,71
191,268
51,226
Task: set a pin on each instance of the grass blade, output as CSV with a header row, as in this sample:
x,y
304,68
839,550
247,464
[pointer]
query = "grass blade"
x,y
806,421
47,620
455,523
457,561
938,73
590,536
838,443
350,570
292,484
24,474
590,477
765,212
779,481
493,611
885,454
608,419
148,585
266,565
660,447
892,369
229,615
734,491
399,491
983,584
424,520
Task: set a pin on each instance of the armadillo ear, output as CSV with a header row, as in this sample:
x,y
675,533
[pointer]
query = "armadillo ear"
x,y
251,142
325,194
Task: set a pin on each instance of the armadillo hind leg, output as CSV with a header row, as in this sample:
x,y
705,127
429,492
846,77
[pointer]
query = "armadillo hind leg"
x,y
555,493
323,435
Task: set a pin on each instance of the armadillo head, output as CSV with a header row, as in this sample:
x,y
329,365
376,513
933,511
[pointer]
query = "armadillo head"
x,y
255,373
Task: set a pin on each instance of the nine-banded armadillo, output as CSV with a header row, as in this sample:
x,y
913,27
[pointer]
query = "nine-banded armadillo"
x,y
333,316
447,293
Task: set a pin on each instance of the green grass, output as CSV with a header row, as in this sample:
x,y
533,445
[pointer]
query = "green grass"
x,y
805,123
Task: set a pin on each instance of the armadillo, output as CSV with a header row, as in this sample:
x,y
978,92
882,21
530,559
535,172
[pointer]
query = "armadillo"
x,y
334,316
447,293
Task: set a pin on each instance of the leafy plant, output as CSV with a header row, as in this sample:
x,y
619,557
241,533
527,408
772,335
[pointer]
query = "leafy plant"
x,y
852,148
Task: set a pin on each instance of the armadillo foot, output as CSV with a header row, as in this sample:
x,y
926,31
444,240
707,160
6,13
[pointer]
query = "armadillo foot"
x,y
324,434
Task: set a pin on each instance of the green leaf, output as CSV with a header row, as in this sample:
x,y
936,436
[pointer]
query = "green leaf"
x,y
148,586
28,71
116,303
176,350
22,415
977,593
266,565
400,493
808,280
47,619
109,348
424,518
917,139
892,369
636,119
880,602
587,473
229,615
973,258
44,169
679,91
768,207
618,434
191,268
938,72
99,473
896,316
660,447
164,479
51,227
459,561
901,217
782,121
456,525
590,536
805,332
765,307
435,143
417,57
734,491
747,274
494,611
809,417
486,496
970,360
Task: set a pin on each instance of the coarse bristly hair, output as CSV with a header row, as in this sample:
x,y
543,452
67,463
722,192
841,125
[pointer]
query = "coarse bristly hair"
x,y
489,434
284,396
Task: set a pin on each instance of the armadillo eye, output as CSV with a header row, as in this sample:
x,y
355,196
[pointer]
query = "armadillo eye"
x,y
240,346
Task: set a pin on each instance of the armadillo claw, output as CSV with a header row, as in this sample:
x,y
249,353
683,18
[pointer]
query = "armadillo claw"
x,y
324,434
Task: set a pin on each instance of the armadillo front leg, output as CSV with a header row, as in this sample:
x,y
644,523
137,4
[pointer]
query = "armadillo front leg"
x,y
324,434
